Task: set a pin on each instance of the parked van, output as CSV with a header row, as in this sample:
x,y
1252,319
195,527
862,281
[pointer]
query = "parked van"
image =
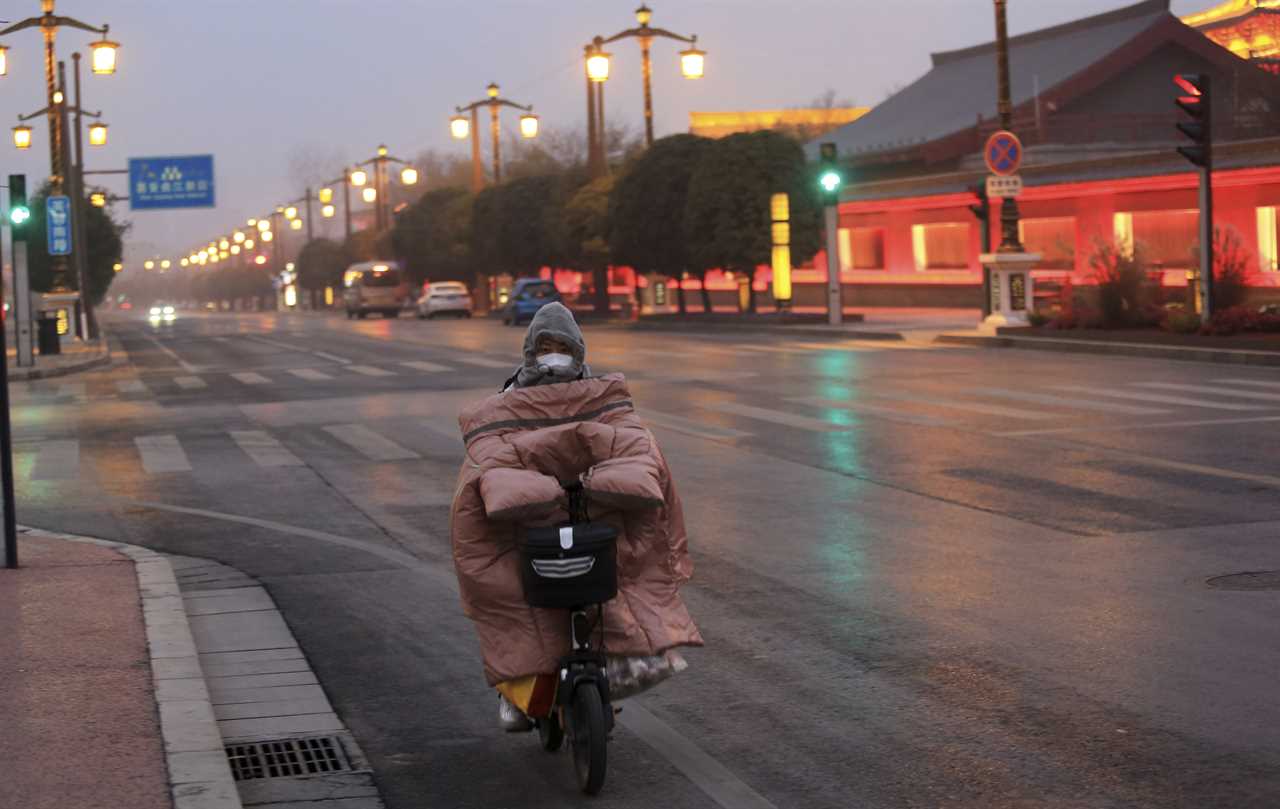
x,y
373,286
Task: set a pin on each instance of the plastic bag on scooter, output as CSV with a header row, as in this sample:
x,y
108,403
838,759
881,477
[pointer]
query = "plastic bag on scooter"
x,y
629,676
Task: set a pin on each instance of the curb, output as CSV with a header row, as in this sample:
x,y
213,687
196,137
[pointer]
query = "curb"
x,y
103,357
1229,356
763,329
199,775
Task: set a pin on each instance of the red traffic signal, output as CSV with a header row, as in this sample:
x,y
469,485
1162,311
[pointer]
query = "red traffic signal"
x,y
1195,100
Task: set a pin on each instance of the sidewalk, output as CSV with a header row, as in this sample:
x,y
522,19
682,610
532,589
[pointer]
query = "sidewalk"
x,y
76,356
96,658
914,324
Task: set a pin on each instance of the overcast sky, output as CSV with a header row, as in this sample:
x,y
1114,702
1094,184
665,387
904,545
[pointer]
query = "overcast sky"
x,y
255,82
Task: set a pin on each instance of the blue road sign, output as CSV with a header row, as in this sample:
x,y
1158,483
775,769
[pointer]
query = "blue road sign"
x,y
184,181
58,224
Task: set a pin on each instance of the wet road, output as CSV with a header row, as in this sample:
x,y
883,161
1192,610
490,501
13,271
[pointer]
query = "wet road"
x,y
927,576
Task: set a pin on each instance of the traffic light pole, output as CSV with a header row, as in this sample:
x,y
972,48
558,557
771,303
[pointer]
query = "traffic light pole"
x,y
6,437
1206,242
835,305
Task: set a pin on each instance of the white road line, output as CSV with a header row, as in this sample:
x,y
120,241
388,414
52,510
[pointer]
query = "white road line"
x,y
57,460
250,378
263,449
368,443
779,417
835,347
369,370
484,362
1155,397
1213,390
131,386
1257,382
972,407
189,382
186,366
889,413
71,389
161,453
694,428
890,345
429,367
331,357
1160,425
310,374
1066,401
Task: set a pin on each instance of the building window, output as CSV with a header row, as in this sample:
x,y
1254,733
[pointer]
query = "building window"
x,y
861,249
942,246
1268,255
1054,239
1166,238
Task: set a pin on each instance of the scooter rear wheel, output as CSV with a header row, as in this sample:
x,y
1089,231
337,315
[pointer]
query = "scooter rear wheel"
x,y
550,733
589,738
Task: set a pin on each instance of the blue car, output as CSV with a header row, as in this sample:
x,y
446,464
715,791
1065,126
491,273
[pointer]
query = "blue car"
x,y
528,296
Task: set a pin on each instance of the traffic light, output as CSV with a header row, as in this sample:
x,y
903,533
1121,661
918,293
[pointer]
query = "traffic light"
x,y
829,177
1195,100
19,213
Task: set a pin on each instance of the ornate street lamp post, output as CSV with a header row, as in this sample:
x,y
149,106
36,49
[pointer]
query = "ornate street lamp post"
x,y
462,127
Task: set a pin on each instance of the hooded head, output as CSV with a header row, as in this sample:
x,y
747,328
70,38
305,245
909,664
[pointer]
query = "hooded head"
x,y
553,322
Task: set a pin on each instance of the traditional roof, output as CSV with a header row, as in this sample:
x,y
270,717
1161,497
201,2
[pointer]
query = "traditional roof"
x,y
960,87
1229,12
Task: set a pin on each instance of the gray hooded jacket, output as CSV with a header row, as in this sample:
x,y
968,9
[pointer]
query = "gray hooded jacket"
x,y
554,320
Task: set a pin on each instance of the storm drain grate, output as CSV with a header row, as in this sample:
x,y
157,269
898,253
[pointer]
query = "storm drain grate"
x,y
1258,580
286,758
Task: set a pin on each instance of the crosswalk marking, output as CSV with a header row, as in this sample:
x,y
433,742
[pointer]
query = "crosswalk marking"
x,y
485,362
1213,390
422,365
1067,401
161,453
690,427
1257,382
779,417
189,382
57,460
250,378
263,449
369,370
1156,397
890,413
972,407
331,357
130,386
310,374
368,443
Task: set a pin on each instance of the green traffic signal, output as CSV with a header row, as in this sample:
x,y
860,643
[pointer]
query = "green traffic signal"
x,y
19,214
830,181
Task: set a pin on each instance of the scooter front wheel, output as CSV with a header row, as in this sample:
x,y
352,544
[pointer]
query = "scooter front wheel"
x,y
589,738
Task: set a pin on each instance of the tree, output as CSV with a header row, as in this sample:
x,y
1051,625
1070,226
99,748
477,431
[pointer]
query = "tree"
x,y
727,222
586,228
647,209
518,227
105,247
431,237
320,263
367,245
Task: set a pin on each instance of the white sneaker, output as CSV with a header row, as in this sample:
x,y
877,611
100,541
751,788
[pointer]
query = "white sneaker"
x,y
512,718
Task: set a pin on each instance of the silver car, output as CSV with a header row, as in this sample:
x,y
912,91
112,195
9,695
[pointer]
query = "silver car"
x,y
445,298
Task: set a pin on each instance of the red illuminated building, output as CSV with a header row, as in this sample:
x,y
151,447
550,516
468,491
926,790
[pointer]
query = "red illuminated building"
x,y
1093,103
1248,28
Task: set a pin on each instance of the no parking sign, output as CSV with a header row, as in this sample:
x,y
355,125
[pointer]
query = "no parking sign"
x,y
1003,153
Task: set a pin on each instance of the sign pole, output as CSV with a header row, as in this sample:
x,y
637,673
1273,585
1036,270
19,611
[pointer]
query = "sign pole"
x,y
22,306
19,246
835,305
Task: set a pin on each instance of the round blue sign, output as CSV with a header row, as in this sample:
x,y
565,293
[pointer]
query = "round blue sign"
x,y
1003,153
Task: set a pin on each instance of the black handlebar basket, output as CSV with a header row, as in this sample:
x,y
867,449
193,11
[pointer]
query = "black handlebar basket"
x,y
569,566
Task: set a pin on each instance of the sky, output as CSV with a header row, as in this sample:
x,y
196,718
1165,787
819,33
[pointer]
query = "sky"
x,y
261,84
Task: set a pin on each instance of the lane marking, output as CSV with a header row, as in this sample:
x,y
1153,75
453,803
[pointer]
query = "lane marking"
x,y
250,378
369,370
484,362
973,407
310,374
1128,427
368,443
1067,401
57,460
1212,390
161,453
1257,382
423,365
263,449
689,427
189,382
779,417
131,386
1154,397
331,357
889,413
186,366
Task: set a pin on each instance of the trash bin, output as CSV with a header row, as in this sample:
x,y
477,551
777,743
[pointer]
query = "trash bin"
x,y
47,339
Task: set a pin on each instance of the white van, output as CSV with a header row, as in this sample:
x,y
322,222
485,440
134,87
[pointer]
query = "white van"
x,y
373,286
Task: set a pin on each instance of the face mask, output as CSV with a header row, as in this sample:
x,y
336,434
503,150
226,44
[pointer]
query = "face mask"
x,y
557,364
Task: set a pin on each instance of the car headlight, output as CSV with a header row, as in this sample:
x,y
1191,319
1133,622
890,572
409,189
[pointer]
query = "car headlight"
x,y
155,310
168,310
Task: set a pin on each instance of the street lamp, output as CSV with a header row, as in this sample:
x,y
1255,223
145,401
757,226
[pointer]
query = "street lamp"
x,y
238,236
104,54
327,211
97,134
4,61
409,175
369,194
325,195
460,127
263,225
22,136
291,213
98,199
295,224
359,178
692,66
